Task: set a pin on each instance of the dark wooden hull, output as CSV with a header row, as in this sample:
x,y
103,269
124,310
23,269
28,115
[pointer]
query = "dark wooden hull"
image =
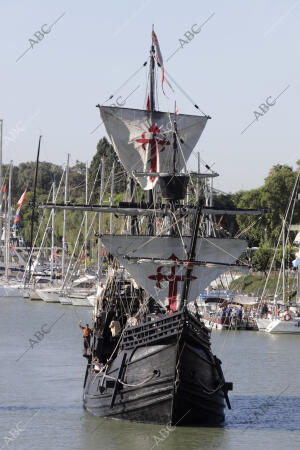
x,y
173,381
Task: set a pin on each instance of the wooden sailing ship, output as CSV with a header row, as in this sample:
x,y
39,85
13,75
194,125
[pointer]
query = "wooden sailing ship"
x,y
157,366
160,370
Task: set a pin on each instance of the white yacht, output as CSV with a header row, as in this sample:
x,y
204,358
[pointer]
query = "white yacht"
x,y
282,325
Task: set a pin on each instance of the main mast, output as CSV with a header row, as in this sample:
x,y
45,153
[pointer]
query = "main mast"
x,y
150,225
33,206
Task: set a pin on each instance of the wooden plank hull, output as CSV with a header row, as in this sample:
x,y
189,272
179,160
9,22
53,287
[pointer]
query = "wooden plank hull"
x,y
166,383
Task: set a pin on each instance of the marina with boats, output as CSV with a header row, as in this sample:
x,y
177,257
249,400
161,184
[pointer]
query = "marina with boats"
x,y
158,269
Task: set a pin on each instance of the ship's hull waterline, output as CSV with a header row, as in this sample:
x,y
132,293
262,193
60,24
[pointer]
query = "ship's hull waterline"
x,y
176,382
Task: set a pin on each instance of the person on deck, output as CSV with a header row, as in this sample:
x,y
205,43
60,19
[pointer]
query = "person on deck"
x,y
87,332
131,320
155,315
239,315
169,310
115,327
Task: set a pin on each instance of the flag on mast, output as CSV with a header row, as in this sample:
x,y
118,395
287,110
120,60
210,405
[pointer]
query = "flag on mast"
x,y
160,61
22,199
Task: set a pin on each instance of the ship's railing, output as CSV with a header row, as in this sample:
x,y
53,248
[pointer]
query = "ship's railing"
x,y
152,330
197,324
197,328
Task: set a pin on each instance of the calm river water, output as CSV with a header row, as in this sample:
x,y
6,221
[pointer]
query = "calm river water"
x,y
41,389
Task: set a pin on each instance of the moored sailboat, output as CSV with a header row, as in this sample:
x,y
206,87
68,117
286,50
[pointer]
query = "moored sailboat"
x,y
284,318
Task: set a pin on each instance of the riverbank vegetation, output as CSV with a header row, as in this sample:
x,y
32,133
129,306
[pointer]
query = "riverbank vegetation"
x,y
262,232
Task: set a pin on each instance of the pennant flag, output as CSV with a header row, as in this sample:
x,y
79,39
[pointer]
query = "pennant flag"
x,y
219,223
160,61
22,199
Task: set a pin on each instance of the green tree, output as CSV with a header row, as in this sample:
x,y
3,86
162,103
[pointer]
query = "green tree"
x,y
274,195
105,150
77,183
262,258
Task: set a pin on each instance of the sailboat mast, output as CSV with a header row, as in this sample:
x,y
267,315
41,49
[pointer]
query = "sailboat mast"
x,y
86,216
199,170
298,286
1,193
191,256
64,224
33,203
52,232
152,79
175,146
283,260
8,219
111,230
150,224
100,223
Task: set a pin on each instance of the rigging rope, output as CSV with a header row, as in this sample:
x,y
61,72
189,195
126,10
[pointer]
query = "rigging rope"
x,y
44,235
154,374
185,94
78,236
119,88
273,259
247,228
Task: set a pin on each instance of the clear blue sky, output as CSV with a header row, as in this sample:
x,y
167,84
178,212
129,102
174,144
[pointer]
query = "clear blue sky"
x,y
247,52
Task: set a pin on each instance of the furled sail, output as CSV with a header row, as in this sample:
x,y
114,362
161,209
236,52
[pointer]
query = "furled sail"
x,y
143,140
158,264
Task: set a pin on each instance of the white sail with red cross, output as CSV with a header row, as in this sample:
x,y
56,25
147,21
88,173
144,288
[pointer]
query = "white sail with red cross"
x,y
143,140
158,264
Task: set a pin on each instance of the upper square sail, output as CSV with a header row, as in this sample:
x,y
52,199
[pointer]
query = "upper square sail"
x,y
143,140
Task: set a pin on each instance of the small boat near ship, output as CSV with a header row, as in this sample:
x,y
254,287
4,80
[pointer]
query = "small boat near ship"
x,y
282,316
227,312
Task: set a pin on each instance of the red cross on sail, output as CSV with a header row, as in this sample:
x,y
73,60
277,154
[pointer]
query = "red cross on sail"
x,y
154,143
173,281
142,140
